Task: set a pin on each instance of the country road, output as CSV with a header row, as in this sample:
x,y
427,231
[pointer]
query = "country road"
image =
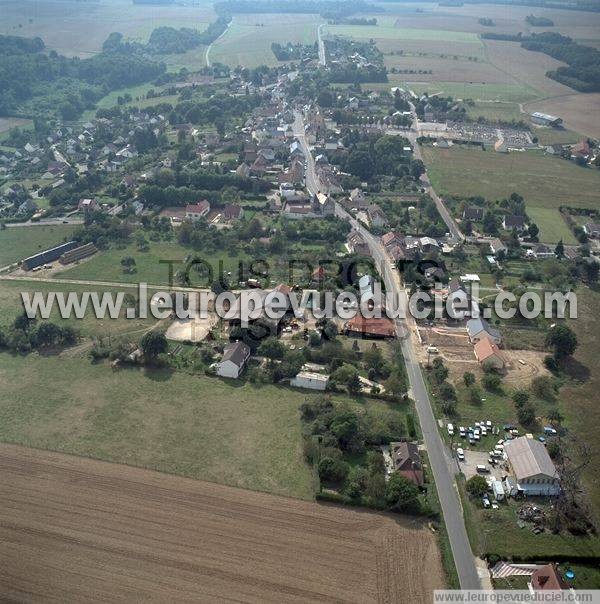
x,y
209,48
439,457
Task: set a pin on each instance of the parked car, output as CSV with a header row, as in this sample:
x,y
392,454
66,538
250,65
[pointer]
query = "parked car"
x,y
460,454
482,469
450,430
486,501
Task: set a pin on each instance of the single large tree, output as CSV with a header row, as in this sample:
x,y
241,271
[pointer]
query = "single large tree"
x,y
402,494
563,340
153,343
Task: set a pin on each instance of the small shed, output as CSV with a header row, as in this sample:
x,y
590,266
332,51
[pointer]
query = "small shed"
x,y
498,490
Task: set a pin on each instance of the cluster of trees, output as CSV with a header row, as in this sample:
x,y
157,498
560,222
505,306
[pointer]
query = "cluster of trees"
x,y
25,335
294,52
378,155
169,40
442,107
446,392
218,110
539,21
487,22
583,70
334,432
64,85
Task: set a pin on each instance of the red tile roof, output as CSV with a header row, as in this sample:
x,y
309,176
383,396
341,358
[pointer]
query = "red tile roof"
x,y
547,577
382,327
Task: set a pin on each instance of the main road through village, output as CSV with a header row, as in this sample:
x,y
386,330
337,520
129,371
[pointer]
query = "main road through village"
x,y
442,465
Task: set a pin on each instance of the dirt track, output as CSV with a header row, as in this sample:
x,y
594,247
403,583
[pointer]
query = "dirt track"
x,y
74,529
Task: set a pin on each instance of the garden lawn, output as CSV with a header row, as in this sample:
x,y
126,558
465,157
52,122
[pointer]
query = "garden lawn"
x,y
191,425
552,225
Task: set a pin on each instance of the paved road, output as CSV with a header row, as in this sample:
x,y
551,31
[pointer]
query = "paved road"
x,y
44,222
451,225
439,458
322,55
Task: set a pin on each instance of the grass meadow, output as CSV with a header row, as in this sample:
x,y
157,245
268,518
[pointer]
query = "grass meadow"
x,y
544,181
17,243
195,426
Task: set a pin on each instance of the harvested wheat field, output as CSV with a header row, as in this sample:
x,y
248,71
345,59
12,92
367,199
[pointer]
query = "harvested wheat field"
x,y
74,529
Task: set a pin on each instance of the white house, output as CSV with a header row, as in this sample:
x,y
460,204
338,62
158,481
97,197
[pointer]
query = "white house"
x,y
311,381
532,467
198,210
480,328
235,357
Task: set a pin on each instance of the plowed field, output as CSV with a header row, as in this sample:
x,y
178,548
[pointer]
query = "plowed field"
x,y
73,529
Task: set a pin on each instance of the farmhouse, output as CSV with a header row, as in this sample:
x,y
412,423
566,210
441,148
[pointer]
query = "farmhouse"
x,y
309,380
534,470
376,216
497,247
198,210
235,357
473,214
233,212
87,205
488,354
480,328
407,461
512,221
459,299
370,328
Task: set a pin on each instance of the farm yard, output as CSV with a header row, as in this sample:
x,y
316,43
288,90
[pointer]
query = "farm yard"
x,y
134,531
544,181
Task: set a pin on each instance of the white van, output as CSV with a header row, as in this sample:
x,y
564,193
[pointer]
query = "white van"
x,y
481,469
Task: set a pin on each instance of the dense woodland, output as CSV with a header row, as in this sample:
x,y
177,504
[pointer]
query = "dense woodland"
x,y
33,83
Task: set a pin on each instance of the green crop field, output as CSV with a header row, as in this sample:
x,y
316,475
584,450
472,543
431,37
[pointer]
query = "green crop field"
x,y
17,243
194,426
248,40
544,181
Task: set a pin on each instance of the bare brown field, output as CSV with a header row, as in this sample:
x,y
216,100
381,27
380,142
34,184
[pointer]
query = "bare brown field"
x,y
511,19
579,111
525,66
80,28
7,123
77,530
